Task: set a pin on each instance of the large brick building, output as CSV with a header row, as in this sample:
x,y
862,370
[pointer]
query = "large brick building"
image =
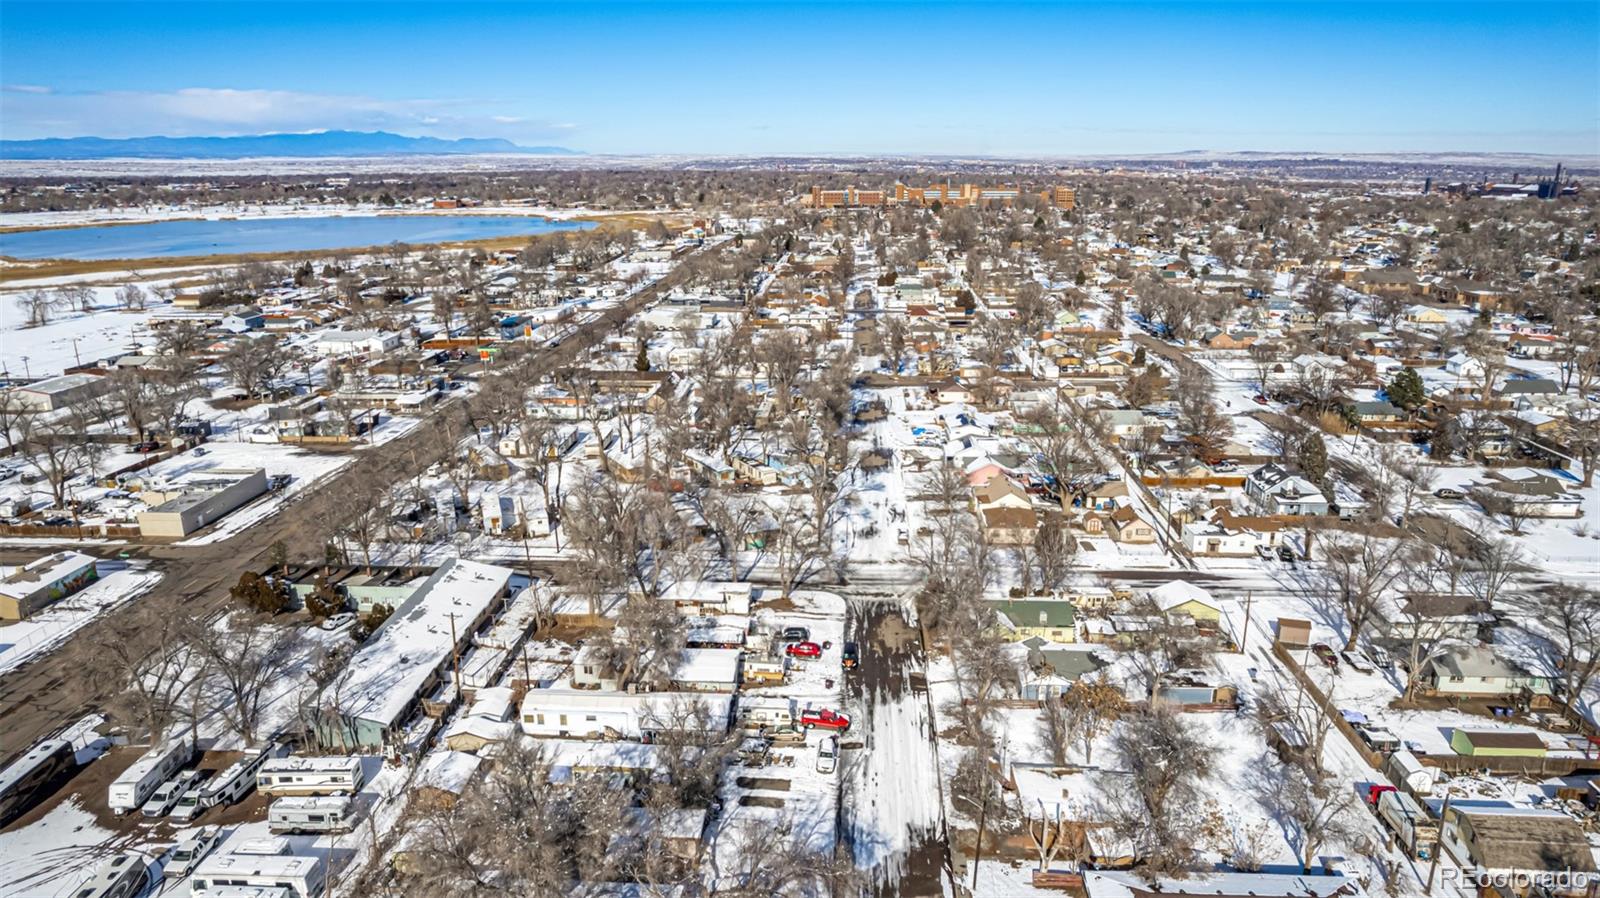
x,y
945,194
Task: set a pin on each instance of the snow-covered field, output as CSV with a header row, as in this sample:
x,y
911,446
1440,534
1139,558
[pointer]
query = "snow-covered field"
x,y
70,338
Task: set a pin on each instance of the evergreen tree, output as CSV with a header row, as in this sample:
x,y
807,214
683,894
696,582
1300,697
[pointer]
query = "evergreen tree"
x,y
1313,457
1405,390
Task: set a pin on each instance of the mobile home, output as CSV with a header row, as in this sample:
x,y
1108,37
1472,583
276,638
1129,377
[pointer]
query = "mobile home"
x,y
310,776
312,814
579,714
129,791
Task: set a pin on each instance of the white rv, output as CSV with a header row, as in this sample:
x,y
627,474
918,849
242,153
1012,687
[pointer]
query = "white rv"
x,y
130,790
236,781
219,874
312,814
310,776
123,876
758,714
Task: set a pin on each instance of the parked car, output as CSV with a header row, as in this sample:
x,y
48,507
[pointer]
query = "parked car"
x,y
1260,399
1325,655
1449,493
189,806
1264,552
146,446
826,718
200,450
852,656
191,851
795,634
1357,662
338,621
803,650
1381,657
1285,554
162,800
828,755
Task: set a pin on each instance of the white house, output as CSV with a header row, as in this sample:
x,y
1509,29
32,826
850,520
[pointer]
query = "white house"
x,y
710,597
1276,491
368,342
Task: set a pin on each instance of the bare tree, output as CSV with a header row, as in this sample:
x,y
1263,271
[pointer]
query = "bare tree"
x,y
1155,807
1360,570
644,647
143,662
132,297
1317,807
1568,617
244,660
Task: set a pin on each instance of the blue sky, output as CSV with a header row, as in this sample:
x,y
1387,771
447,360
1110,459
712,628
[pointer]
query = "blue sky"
x,y
871,77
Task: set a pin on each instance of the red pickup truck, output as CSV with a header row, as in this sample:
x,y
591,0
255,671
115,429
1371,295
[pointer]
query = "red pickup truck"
x,y
825,718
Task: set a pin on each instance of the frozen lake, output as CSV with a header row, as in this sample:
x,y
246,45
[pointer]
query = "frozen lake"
x,y
268,235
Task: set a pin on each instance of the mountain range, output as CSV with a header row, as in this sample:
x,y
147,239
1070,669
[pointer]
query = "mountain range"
x,y
307,145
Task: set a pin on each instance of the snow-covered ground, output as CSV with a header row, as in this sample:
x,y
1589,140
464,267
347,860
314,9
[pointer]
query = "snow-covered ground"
x,y
119,582
70,338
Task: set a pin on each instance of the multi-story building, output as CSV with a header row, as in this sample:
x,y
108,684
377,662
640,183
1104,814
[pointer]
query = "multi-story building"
x,y
945,194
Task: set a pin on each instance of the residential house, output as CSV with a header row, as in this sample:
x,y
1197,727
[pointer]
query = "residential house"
x,y
1477,671
1009,526
1054,620
1277,491
1126,526
1183,597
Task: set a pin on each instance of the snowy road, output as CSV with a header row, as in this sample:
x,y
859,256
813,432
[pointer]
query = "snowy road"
x,y
892,811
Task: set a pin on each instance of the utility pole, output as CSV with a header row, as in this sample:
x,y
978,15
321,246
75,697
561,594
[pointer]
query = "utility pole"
x,y
1438,847
977,851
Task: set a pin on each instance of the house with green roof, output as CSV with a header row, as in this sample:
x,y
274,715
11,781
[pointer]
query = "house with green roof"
x,y
1054,620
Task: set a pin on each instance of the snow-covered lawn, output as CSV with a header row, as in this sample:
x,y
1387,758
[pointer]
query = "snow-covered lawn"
x,y
120,582
70,338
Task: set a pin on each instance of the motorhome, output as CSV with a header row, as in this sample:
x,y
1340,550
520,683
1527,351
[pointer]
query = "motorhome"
x,y
310,776
121,877
311,814
301,875
759,714
24,781
133,788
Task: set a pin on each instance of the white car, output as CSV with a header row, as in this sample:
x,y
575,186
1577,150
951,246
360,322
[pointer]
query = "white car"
x,y
828,755
160,802
338,621
189,806
191,851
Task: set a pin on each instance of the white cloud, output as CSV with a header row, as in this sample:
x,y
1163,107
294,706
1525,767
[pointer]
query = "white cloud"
x,y
31,111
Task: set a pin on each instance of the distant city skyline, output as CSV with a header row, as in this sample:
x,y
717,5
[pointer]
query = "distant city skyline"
x,y
1000,79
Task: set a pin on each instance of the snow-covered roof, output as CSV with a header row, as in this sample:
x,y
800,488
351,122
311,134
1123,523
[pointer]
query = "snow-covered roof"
x,y
1123,884
448,771
1170,595
387,674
